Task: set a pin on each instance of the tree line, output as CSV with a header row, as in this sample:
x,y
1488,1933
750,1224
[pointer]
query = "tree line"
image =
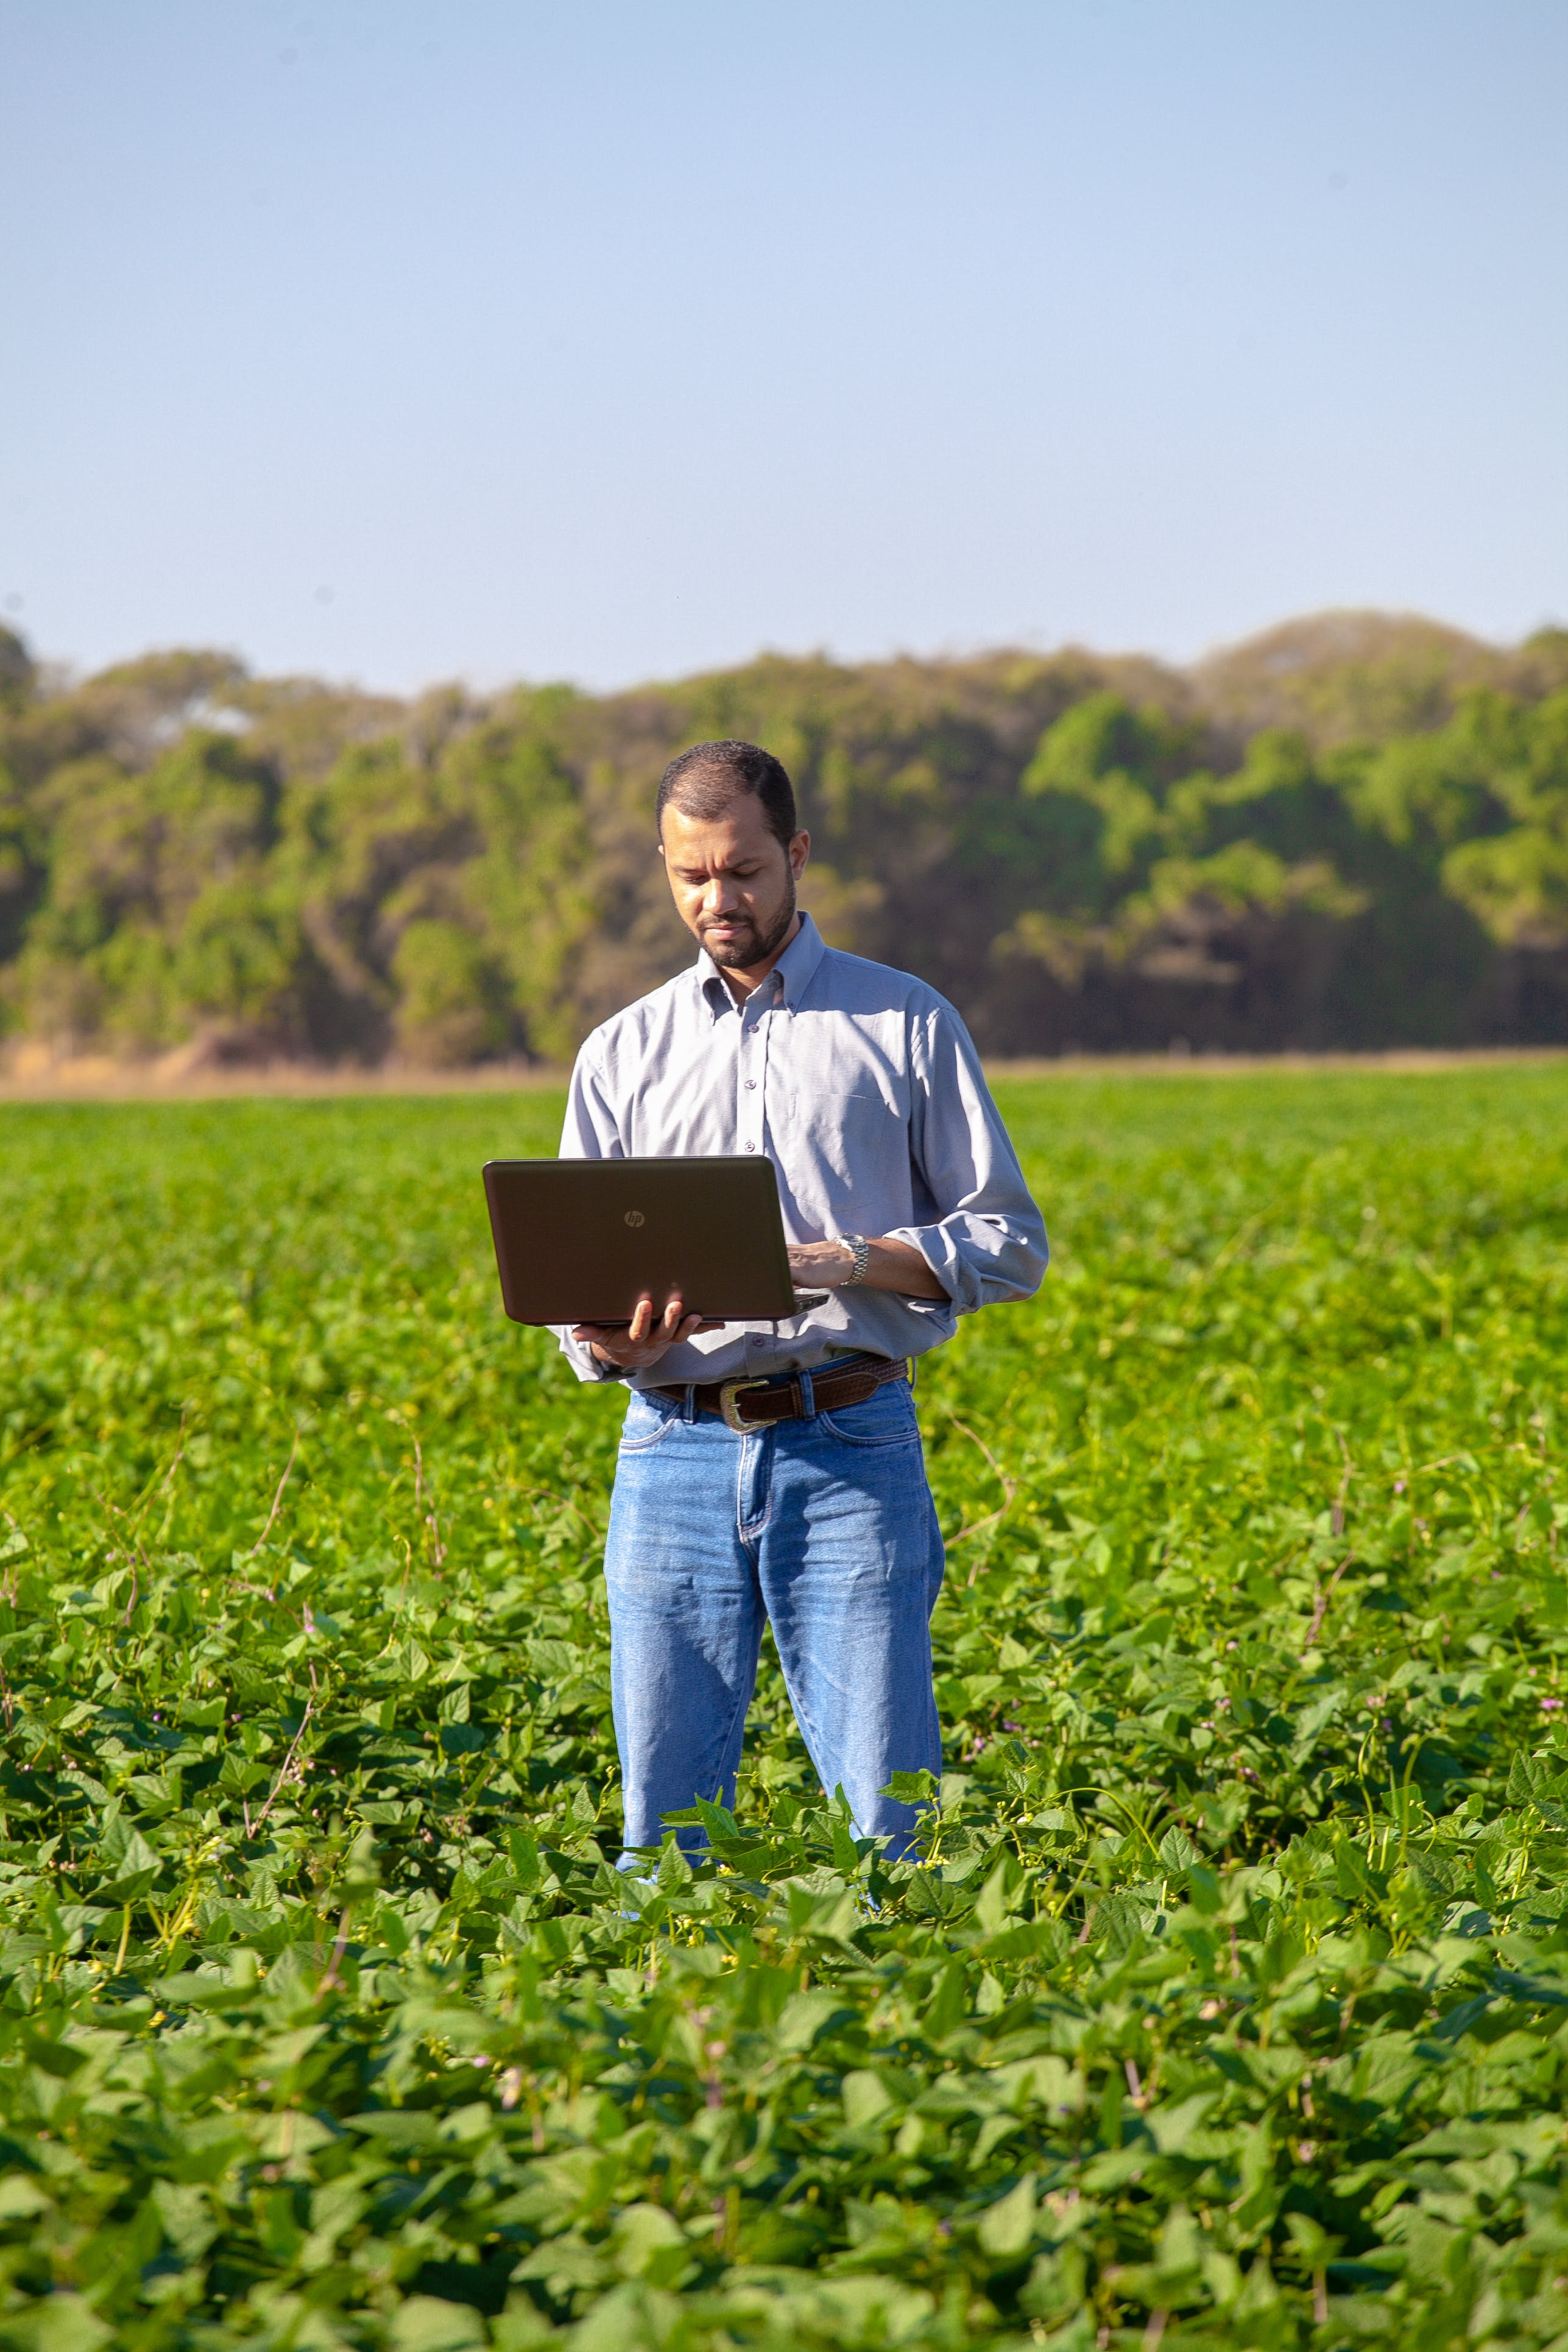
x,y
1350,831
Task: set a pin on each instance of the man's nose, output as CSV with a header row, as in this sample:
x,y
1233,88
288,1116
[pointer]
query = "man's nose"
x,y
720,895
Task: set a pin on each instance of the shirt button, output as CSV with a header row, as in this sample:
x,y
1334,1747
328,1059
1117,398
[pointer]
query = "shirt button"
x,y
751,1147
751,1085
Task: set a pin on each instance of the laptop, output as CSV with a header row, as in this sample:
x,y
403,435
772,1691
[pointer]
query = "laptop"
x,y
579,1241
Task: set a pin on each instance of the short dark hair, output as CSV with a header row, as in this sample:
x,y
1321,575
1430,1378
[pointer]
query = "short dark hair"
x,y
705,779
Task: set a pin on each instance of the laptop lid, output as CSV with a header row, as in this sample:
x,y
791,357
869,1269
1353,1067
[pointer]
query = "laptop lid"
x,y
579,1241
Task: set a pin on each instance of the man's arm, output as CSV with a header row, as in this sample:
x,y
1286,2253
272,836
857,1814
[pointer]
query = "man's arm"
x,y
597,1350
983,1237
589,1132
890,1265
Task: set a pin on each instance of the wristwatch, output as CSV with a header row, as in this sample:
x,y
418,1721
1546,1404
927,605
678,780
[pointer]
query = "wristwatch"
x,y
859,1249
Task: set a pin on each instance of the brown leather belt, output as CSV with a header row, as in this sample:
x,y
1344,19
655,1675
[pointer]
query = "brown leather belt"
x,y
784,1399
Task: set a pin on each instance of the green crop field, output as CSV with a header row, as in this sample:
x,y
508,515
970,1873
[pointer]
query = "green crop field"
x,y
1229,2002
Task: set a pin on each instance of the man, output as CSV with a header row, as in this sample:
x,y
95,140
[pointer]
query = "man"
x,y
775,1472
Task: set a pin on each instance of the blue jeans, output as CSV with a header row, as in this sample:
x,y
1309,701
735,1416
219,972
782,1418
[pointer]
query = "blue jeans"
x,y
824,1527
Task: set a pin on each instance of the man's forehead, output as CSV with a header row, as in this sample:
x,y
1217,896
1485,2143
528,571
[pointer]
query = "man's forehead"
x,y
740,831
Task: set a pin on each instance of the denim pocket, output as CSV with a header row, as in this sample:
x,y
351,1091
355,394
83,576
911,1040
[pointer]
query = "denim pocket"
x,y
648,1419
886,1417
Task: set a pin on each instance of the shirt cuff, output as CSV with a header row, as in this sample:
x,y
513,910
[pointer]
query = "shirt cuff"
x,y
583,1362
954,1272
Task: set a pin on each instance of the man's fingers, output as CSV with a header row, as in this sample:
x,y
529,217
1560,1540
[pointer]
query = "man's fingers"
x,y
641,1342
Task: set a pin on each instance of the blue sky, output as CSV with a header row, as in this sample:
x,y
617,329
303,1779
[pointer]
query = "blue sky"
x,y
396,340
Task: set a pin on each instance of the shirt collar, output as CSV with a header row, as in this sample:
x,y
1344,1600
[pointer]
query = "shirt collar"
x,y
795,969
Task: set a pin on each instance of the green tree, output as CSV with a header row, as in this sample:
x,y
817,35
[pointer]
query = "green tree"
x,y
1352,831
452,1000
240,960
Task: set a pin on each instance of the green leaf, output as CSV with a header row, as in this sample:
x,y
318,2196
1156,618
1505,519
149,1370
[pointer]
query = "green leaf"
x,y
421,2323
1005,2228
61,2323
22,2199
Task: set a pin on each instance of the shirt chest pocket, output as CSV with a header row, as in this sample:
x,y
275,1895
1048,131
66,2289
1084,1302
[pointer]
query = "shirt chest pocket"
x,y
853,1135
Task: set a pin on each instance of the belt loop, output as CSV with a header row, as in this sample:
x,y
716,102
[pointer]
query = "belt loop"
x,y
688,1409
807,1402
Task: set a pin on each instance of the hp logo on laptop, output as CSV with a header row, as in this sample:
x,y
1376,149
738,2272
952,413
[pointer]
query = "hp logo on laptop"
x,y
635,1217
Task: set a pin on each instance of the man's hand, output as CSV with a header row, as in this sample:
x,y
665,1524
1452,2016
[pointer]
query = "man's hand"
x,y
892,1266
632,1347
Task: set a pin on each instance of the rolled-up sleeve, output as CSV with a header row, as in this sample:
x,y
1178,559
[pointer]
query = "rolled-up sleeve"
x,y
588,1133
986,1242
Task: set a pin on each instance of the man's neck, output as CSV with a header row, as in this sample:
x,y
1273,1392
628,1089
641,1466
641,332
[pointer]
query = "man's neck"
x,y
741,983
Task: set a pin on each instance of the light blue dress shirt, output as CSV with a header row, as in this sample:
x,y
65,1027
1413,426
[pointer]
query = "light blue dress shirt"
x,y
861,1086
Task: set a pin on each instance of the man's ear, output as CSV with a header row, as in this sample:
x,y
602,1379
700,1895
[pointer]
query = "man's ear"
x,y
799,851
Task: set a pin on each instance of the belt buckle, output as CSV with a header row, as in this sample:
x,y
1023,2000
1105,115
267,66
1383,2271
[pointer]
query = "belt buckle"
x,y
728,1391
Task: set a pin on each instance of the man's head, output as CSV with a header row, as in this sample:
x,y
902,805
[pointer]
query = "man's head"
x,y
732,850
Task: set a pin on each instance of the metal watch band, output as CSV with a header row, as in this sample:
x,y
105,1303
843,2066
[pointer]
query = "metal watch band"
x,y
859,1249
